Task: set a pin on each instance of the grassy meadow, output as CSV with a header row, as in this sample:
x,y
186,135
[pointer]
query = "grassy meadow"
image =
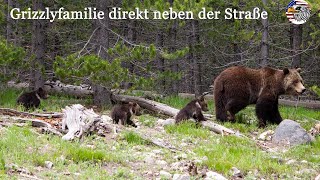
x,y
122,156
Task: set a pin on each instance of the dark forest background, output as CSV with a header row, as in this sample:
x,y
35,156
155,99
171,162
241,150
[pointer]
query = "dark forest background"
x,y
165,56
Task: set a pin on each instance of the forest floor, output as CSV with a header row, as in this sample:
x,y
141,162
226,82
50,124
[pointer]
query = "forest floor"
x,y
25,152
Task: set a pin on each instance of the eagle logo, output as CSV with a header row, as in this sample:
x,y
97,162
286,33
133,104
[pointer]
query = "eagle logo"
x,y
298,11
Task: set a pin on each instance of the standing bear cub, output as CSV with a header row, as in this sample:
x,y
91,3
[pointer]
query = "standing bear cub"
x,y
32,99
193,110
122,113
237,87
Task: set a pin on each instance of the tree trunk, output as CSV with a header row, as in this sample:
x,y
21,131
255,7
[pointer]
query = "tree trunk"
x,y
195,39
38,48
296,34
175,66
160,62
101,95
264,42
9,29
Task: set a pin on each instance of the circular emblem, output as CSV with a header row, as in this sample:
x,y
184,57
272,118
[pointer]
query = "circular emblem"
x,y
298,11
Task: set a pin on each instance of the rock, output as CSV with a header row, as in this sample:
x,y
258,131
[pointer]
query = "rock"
x,y
48,164
181,177
157,151
165,174
148,159
181,156
307,171
176,165
266,136
236,173
161,162
291,161
290,133
166,122
210,175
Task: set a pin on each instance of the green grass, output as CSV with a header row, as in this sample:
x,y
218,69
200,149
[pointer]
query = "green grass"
x,y
308,152
228,152
189,129
134,138
147,120
23,147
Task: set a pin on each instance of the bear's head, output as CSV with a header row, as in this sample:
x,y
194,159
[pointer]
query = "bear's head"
x,y
293,83
203,103
135,108
42,93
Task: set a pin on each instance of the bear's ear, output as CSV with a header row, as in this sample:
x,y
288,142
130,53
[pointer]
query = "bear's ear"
x,y
201,98
286,71
298,70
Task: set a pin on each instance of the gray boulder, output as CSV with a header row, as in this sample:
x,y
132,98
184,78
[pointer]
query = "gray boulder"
x,y
290,133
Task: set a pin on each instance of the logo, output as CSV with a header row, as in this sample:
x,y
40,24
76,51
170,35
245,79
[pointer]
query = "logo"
x,y
298,11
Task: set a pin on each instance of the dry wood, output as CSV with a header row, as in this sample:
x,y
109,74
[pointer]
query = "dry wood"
x,y
34,122
13,112
157,107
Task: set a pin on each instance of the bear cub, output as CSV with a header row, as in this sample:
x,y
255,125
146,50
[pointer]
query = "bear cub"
x,y
32,99
193,110
122,113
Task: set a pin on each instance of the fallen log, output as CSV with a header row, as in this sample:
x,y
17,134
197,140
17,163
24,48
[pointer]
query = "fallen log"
x,y
13,112
157,107
57,87
34,122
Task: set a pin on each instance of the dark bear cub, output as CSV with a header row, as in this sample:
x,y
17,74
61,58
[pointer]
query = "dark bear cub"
x,y
193,110
122,113
32,99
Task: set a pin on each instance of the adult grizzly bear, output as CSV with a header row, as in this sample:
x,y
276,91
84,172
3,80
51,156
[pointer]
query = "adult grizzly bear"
x,y
237,87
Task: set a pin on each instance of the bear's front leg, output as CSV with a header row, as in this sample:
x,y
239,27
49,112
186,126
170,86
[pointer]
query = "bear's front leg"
x,y
265,110
276,117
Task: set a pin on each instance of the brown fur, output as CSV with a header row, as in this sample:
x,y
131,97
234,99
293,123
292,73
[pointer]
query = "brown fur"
x,y
237,87
31,100
122,113
193,110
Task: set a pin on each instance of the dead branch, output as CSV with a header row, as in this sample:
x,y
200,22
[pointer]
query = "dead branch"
x,y
13,112
34,122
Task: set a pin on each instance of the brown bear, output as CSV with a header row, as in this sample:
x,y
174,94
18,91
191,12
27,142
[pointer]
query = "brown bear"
x,y
32,99
122,113
193,110
236,87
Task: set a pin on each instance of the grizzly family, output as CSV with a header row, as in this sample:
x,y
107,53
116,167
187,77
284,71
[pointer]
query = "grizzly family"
x,y
234,89
237,87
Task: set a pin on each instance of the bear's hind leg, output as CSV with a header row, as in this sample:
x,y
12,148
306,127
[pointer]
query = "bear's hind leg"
x,y
233,107
221,113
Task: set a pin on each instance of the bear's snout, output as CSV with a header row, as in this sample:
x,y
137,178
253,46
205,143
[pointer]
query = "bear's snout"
x,y
299,88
